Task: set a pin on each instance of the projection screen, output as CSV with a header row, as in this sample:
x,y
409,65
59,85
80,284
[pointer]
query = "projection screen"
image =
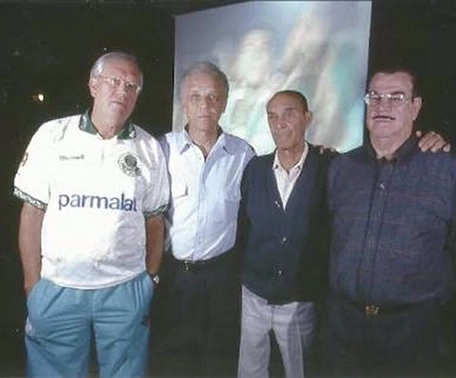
x,y
319,48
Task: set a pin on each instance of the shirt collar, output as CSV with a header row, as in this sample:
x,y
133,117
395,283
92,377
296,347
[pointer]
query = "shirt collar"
x,y
86,124
401,154
185,142
298,165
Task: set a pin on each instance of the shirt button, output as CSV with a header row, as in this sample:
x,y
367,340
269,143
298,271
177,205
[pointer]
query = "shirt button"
x,y
284,240
279,273
382,186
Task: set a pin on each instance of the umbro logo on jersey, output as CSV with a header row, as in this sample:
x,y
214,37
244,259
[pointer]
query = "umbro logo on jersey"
x,y
97,202
77,157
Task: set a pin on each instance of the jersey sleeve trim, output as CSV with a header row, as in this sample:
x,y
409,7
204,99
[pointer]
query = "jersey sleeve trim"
x,y
29,199
160,210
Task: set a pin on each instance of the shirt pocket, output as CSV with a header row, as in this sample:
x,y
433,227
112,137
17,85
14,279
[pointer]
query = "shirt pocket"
x,y
231,199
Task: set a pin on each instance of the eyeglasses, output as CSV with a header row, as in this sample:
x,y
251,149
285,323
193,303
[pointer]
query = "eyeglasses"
x,y
393,99
115,82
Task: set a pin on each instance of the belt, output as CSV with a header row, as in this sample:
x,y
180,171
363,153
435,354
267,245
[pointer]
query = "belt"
x,y
373,310
196,265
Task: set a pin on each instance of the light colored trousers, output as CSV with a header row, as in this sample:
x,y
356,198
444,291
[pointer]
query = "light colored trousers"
x,y
293,325
61,322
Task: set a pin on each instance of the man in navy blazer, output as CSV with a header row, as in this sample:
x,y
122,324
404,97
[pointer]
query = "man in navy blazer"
x,y
282,237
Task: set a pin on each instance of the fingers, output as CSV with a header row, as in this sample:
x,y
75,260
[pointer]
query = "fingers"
x,y
431,141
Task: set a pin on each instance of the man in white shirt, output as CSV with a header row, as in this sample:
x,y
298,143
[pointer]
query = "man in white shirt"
x,y
205,166
91,231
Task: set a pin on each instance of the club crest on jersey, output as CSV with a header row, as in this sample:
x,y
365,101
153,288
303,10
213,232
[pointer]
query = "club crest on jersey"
x,y
128,163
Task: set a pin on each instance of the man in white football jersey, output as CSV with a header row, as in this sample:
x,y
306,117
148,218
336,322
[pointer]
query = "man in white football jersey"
x,y
91,231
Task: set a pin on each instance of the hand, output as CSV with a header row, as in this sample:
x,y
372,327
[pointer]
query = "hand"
x,y
29,284
433,142
323,149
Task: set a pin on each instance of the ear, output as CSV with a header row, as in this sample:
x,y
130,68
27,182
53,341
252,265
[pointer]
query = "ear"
x,y
417,102
93,86
308,117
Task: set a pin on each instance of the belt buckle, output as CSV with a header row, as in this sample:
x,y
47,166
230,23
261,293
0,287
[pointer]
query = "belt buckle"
x,y
371,310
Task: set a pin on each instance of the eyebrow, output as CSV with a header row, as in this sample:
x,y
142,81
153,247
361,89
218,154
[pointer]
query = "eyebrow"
x,y
285,109
393,93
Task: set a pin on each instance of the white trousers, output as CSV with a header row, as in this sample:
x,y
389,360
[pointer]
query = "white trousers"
x,y
293,325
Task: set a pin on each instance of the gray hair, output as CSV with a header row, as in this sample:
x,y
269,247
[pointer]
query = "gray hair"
x,y
97,67
208,68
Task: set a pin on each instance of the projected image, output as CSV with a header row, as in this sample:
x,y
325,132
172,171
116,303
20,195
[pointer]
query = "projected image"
x,y
318,48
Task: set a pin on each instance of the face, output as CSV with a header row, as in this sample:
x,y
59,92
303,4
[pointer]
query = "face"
x,y
307,42
114,97
389,119
254,58
204,101
288,120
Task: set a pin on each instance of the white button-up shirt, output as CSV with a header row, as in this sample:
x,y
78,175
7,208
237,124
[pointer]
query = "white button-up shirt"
x,y
287,180
205,194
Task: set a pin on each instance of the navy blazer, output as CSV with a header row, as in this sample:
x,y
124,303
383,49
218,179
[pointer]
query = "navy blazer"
x,y
284,251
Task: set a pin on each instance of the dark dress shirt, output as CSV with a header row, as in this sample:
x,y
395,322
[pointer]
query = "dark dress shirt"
x,y
392,224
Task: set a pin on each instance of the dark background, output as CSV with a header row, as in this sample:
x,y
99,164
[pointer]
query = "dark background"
x,y
50,47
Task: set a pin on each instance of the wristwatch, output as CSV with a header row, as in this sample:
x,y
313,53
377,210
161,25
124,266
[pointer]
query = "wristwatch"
x,y
155,278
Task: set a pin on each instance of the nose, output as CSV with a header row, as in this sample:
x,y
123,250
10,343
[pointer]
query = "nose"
x,y
203,103
122,93
276,122
281,123
122,89
384,103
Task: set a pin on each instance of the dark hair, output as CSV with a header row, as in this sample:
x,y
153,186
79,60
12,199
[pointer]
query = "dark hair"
x,y
296,94
392,69
209,68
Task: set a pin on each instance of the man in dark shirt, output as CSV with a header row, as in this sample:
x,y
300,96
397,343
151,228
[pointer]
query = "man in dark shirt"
x,y
392,211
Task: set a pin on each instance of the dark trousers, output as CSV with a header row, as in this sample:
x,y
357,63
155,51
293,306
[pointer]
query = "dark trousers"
x,y
199,326
395,342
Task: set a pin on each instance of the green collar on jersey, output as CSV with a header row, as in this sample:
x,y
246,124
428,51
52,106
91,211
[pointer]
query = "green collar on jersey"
x,y
86,124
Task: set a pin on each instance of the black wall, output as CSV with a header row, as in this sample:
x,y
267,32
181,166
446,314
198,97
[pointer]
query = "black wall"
x,y
420,34
51,46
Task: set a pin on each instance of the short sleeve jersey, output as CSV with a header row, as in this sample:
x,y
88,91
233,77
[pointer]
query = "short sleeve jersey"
x,y
96,194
